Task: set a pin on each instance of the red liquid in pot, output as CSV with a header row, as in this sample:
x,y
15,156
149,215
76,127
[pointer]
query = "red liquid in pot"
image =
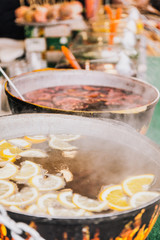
x,y
87,98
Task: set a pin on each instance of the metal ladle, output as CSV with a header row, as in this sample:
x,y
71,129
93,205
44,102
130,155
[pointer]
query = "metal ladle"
x,y
11,83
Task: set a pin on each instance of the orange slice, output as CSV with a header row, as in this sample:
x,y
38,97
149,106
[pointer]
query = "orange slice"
x,y
138,183
36,139
115,197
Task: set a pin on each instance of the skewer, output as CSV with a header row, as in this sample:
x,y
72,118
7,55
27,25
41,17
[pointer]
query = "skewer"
x,y
10,82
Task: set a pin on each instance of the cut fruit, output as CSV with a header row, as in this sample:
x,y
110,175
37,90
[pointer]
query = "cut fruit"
x,y
25,197
8,171
36,139
6,188
20,142
9,152
65,198
89,204
69,154
67,175
141,198
28,169
33,153
48,200
4,161
48,182
63,212
115,198
16,209
5,144
61,145
34,209
65,137
136,184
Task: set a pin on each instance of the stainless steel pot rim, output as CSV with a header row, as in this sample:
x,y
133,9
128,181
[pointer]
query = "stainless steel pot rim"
x,y
125,111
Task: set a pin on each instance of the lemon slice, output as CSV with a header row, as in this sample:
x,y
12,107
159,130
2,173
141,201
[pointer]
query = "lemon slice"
x,y
136,184
28,169
61,145
33,153
9,170
67,175
20,142
65,137
65,198
5,144
63,212
6,188
36,139
141,198
48,182
69,154
16,209
89,204
7,153
115,198
25,197
4,161
8,150
34,209
48,200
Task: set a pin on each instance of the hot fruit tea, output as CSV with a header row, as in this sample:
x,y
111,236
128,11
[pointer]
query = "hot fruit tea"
x,y
49,175
86,98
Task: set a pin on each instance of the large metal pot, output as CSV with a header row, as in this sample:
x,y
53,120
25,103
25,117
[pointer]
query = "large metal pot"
x,y
139,117
124,152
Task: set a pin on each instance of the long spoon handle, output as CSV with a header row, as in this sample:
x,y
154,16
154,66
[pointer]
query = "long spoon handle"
x,y
10,82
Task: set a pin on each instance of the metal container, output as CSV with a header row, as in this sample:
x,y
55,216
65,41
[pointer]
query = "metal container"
x,y
129,153
138,117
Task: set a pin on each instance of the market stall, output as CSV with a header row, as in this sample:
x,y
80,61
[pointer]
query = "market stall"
x,y
74,161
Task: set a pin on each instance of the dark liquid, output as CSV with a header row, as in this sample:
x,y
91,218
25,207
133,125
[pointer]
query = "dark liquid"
x,y
86,98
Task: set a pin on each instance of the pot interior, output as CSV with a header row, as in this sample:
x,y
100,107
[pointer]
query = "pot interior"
x,y
50,78
108,152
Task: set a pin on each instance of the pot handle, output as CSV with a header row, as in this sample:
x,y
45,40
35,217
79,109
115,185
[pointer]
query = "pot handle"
x,y
17,228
